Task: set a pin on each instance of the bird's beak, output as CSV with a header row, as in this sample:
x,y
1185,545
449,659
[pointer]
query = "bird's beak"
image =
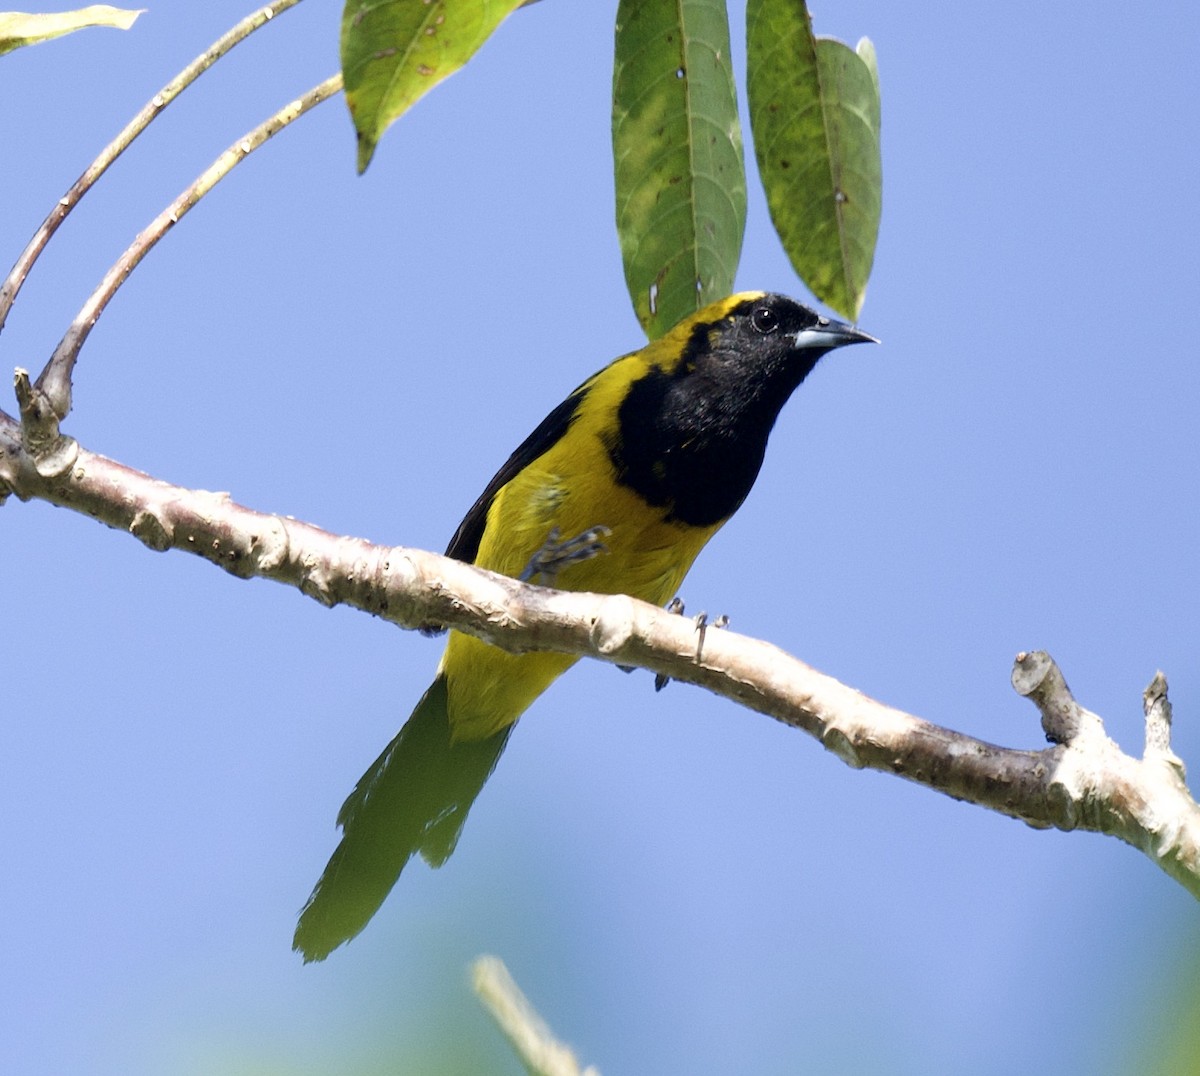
x,y
828,333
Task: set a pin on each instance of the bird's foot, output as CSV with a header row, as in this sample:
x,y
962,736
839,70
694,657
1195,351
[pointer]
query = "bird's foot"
x,y
675,605
556,555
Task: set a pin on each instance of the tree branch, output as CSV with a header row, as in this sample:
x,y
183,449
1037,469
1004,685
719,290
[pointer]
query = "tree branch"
x,y
532,1041
54,382
24,263
1084,781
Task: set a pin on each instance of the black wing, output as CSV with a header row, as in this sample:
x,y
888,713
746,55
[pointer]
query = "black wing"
x,y
464,545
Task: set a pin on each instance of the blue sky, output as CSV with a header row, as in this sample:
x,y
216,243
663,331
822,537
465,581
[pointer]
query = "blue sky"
x,y
679,885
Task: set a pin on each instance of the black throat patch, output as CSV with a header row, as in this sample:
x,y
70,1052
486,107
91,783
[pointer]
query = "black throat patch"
x,y
679,450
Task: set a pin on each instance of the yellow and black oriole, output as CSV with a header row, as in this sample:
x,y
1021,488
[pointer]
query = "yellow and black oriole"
x,y
638,468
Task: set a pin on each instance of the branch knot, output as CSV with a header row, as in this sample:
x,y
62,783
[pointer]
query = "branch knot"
x,y
51,453
1037,677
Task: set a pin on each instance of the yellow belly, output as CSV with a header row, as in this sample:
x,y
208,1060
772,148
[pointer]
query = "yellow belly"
x,y
488,689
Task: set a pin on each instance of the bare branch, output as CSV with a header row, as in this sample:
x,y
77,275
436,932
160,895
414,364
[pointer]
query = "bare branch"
x,y
1084,782
1036,676
20,270
1157,708
55,379
540,1052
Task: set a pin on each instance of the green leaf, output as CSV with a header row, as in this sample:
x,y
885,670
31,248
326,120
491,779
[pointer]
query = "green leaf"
x,y
18,28
814,111
395,51
677,150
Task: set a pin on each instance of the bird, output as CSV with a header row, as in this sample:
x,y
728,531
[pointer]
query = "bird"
x,y
638,468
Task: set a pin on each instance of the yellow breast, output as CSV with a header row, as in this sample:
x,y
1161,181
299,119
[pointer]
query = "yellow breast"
x,y
571,487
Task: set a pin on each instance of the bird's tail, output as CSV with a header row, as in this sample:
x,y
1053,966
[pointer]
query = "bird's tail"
x,y
414,798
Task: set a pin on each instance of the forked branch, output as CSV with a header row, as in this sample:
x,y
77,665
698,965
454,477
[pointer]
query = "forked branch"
x,y
148,113
54,383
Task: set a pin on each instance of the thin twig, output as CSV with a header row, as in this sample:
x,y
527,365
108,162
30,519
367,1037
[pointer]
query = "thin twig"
x,y
55,379
1157,708
20,270
1036,676
534,1043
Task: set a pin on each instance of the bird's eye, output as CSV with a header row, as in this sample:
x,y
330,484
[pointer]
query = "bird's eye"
x,y
764,320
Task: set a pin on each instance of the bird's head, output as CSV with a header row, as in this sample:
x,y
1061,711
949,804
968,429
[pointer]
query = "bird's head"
x,y
751,350
760,333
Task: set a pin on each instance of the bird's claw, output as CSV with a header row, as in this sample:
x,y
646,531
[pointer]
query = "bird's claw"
x,y
702,625
675,605
555,555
